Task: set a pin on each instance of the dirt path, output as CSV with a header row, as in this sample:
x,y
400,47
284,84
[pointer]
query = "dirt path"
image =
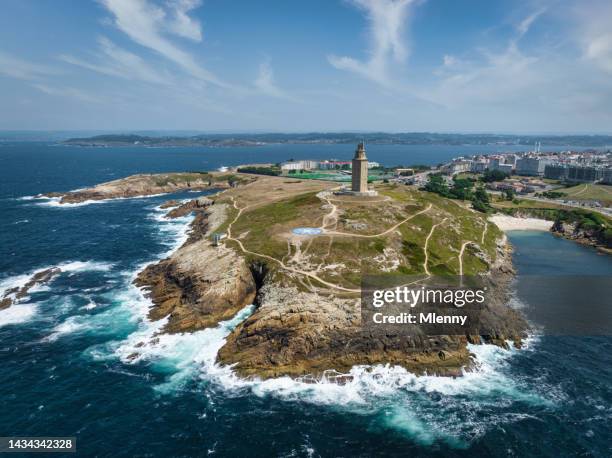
x,y
465,244
586,186
391,229
484,233
426,261
280,263
332,215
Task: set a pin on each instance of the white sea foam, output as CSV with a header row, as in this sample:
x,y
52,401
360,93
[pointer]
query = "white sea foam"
x,y
55,201
186,353
19,281
82,266
89,306
16,281
18,313
71,325
132,306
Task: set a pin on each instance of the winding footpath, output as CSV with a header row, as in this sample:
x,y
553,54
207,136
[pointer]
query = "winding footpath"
x,y
391,229
426,261
310,274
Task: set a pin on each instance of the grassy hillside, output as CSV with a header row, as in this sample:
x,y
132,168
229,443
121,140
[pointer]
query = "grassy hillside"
x,y
402,231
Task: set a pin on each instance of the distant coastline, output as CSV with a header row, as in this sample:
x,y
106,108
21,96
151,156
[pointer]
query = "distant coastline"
x,y
414,138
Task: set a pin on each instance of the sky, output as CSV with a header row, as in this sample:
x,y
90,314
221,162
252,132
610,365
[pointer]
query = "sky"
x,y
505,66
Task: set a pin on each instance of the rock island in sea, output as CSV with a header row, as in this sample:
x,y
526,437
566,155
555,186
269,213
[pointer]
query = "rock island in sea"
x,y
306,284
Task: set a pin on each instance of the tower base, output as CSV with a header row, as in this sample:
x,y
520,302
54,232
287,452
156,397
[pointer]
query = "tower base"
x,y
348,192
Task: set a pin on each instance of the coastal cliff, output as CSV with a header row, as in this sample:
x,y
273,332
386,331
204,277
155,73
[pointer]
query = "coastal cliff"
x,y
198,285
297,333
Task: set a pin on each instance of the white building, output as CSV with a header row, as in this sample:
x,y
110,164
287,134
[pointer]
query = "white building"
x,y
531,166
305,164
292,165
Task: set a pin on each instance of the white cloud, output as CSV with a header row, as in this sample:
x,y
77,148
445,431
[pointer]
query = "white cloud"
x,y
449,61
68,92
118,62
181,24
22,69
387,21
524,26
594,33
146,23
492,78
265,83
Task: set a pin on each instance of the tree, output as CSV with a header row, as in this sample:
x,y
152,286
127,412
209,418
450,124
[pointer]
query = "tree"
x,y
494,175
437,184
480,201
462,189
509,194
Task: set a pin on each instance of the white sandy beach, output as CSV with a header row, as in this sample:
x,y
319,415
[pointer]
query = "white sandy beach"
x,y
510,223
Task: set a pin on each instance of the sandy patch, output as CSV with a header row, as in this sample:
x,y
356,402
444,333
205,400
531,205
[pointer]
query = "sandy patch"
x,y
510,223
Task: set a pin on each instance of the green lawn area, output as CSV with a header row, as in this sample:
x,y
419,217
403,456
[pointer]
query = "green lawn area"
x,y
589,191
526,203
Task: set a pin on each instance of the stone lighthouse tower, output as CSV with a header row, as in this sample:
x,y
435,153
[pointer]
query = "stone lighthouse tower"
x,y
360,170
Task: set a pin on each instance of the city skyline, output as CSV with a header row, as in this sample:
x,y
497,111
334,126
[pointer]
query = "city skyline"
x,y
354,65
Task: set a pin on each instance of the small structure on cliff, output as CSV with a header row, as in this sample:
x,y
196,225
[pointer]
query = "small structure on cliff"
x,y
217,237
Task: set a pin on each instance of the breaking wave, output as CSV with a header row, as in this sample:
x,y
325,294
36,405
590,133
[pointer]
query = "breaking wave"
x,y
22,311
55,201
17,314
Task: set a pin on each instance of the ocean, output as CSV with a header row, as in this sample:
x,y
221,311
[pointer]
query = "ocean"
x,y
66,366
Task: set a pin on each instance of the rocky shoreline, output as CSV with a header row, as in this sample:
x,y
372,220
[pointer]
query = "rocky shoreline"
x,y
292,332
299,333
198,285
580,235
150,184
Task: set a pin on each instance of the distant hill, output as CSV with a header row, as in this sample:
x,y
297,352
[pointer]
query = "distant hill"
x,y
412,138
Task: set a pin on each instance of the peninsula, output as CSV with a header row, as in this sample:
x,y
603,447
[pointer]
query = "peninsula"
x,y
297,249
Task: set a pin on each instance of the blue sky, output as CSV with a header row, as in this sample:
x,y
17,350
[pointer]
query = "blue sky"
x,y
530,66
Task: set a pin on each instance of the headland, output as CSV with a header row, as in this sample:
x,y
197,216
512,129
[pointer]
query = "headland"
x,y
244,248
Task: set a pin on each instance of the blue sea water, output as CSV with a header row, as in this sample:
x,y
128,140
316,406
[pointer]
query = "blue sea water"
x,y
67,365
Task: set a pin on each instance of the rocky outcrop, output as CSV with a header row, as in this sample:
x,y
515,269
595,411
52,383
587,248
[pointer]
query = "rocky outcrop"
x,y
199,285
298,333
13,295
146,185
585,236
180,210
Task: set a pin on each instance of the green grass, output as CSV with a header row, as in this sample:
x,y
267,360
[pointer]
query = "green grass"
x,y
266,230
264,222
589,191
